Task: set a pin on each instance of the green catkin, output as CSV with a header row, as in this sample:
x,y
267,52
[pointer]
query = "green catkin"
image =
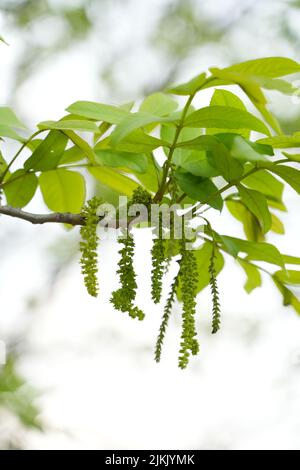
x,y
171,244
158,269
123,298
188,276
158,255
165,320
141,196
216,319
89,245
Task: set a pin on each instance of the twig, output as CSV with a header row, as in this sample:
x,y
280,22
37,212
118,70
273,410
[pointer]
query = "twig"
x,y
56,217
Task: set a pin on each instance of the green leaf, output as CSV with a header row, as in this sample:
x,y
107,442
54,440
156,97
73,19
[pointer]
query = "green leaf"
x,y
6,131
241,149
103,127
20,188
229,168
48,153
190,87
221,117
135,142
150,180
291,259
253,276
33,144
277,205
135,121
193,155
98,111
251,225
139,142
8,118
195,162
257,204
229,245
289,276
168,134
269,67
82,145
277,225
277,84
212,82
265,183
199,189
79,125
203,142
158,104
258,251
290,175
282,141
249,75
72,155
114,180
3,164
289,299
249,86
203,257
226,98
261,148
114,158
293,157
63,190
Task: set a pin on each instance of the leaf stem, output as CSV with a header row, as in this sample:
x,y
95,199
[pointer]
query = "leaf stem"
x,y
216,244
158,196
35,134
231,184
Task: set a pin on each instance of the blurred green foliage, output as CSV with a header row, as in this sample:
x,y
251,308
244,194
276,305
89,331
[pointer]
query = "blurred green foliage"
x,y
17,399
192,29
70,23
182,28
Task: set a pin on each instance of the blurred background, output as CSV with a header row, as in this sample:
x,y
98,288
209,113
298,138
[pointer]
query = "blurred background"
x,y
80,375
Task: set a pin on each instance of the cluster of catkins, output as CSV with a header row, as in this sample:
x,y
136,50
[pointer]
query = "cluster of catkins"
x,y
123,298
89,245
185,281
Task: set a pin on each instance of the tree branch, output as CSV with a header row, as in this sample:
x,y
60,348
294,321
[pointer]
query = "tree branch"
x,y
65,218
56,217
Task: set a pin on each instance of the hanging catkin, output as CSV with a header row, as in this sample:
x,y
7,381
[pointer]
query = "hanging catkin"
x,y
216,318
188,276
88,246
